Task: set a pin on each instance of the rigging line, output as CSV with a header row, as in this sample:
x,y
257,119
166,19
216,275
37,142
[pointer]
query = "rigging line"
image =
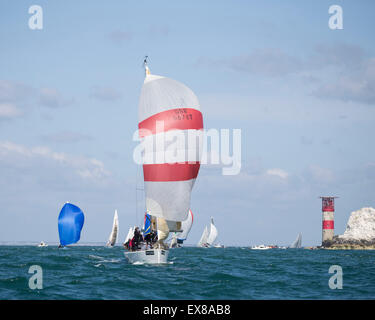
x,y
136,197
137,200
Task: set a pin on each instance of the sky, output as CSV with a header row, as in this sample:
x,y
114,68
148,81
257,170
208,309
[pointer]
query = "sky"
x,y
302,94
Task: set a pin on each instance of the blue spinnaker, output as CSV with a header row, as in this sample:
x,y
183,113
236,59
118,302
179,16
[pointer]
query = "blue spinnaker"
x,y
147,227
71,220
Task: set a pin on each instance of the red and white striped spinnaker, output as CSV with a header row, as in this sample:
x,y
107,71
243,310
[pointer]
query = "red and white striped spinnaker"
x,y
170,127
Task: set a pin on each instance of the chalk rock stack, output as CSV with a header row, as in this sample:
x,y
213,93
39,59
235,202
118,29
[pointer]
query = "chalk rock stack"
x,y
361,225
359,233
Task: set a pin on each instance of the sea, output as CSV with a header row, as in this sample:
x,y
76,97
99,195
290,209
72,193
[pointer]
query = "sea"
x,y
236,273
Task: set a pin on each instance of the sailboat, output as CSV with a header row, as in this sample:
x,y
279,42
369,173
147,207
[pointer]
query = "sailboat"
x,y
297,243
115,230
203,240
168,110
208,238
179,238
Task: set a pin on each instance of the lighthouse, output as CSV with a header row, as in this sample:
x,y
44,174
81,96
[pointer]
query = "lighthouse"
x,y
328,225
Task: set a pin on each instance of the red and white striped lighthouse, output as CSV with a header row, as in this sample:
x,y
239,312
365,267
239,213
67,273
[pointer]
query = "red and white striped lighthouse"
x,y
328,226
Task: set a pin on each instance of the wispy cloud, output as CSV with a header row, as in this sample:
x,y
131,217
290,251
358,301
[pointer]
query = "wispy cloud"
x,y
269,62
13,97
339,54
14,91
52,98
9,111
278,173
105,93
16,155
119,36
357,85
66,137
17,98
335,71
319,175
158,30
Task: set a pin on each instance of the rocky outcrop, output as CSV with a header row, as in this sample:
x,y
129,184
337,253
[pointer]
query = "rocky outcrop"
x,y
359,233
351,244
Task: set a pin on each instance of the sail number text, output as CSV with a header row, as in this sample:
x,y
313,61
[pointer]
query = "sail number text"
x,y
182,114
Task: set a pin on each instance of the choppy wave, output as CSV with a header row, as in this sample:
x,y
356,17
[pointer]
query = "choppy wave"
x,y
92,272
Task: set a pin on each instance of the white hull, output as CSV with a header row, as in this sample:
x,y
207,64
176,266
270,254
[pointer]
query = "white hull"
x,y
151,256
261,247
42,244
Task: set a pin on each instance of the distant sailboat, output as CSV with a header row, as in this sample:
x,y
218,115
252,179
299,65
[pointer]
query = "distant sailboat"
x,y
203,240
115,230
70,223
297,243
208,238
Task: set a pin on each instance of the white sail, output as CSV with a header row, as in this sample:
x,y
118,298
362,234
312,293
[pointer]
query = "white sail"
x,y
298,242
213,233
130,234
186,226
115,229
164,227
173,241
203,239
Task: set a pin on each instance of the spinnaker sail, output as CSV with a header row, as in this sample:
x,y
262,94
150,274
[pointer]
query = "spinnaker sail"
x,y
171,130
70,223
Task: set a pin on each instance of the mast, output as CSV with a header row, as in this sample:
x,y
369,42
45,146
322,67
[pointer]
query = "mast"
x,y
147,70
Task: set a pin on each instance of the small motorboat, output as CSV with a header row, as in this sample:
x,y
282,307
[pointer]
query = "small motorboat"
x,y
218,245
42,244
260,247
